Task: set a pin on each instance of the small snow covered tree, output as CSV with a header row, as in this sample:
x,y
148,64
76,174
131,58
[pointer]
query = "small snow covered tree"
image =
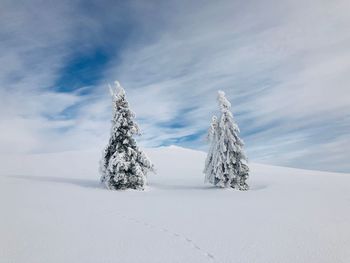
x,y
226,164
123,164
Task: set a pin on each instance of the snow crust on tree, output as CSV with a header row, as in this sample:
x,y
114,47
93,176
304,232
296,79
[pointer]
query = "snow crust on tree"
x,y
123,164
226,163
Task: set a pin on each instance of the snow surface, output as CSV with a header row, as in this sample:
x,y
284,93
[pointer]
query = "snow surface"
x,y
54,210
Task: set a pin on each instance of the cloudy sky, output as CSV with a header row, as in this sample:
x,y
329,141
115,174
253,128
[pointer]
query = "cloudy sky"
x,y
284,65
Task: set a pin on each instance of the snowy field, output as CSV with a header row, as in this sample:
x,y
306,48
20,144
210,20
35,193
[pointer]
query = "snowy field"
x,y
54,210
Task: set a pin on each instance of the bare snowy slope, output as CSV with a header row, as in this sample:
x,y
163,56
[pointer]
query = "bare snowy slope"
x,y
53,210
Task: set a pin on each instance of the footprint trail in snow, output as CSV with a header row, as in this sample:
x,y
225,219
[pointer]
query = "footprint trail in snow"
x,y
185,239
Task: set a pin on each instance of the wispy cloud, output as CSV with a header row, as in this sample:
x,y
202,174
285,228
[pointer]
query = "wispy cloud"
x,y
283,64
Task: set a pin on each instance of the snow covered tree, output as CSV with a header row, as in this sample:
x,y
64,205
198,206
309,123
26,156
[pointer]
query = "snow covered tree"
x,y
123,164
226,164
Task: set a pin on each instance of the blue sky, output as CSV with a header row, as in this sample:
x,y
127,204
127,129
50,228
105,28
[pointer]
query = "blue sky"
x,y
284,66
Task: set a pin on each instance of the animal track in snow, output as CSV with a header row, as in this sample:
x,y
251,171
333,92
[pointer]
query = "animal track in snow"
x,y
186,239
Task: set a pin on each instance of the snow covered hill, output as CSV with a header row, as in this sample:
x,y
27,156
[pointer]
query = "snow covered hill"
x,y
54,210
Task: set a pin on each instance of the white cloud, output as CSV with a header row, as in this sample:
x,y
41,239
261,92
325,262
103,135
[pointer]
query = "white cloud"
x,y
283,64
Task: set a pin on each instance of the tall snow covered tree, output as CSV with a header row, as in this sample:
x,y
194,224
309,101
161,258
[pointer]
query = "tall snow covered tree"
x,y
123,164
226,164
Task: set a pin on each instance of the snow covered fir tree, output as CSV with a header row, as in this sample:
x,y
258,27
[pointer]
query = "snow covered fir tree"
x,y
123,164
226,164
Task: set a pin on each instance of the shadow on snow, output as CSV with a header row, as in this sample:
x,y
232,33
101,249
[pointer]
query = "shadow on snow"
x,y
97,185
60,180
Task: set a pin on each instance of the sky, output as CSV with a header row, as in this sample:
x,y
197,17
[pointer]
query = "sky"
x,y
284,65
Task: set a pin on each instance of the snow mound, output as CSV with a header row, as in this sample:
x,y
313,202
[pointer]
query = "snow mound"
x,y
53,209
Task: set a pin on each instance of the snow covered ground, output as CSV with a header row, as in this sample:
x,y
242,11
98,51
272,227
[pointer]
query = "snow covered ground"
x,y
54,210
